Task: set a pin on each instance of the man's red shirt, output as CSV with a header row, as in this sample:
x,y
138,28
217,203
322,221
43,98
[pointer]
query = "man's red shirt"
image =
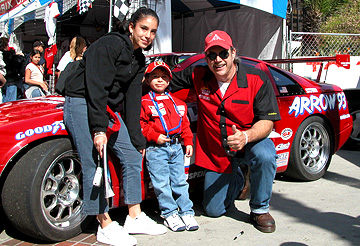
x,y
249,98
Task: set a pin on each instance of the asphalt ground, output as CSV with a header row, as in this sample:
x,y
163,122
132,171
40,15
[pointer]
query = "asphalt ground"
x,y
322,212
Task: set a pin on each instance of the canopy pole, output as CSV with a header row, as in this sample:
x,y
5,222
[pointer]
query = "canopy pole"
x,y
110,15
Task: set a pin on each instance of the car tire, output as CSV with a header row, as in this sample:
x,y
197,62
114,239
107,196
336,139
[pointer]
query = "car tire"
x,y
42,195
311,151
354,138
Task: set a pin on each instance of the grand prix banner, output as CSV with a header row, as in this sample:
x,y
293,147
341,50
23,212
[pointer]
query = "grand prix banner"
x,y
7,5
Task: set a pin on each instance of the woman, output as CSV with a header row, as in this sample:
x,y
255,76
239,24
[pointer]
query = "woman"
x,y
114,67
10,67
77,49
34,77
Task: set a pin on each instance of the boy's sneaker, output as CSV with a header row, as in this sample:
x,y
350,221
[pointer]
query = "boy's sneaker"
x,y
174,223
114,234
190,222
142,224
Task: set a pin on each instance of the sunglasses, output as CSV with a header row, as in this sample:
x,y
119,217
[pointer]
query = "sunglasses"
x,y
223,55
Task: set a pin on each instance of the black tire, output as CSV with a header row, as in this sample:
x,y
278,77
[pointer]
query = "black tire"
x,y
42,195
354,138
311,151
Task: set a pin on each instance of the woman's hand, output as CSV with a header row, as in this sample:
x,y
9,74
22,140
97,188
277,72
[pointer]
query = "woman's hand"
x,y
142,152
44,86
100,140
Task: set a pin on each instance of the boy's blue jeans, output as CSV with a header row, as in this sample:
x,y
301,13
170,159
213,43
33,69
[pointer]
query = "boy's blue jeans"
x,y
165,164
77,123
221,189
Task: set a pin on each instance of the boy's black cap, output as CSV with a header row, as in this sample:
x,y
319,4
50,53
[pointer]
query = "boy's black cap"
x,y
38,43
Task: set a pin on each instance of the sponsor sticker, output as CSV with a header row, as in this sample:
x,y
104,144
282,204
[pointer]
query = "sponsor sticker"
x,y
311,90
53,128
286,133
282,159
344,116
204,93
181,109
282,146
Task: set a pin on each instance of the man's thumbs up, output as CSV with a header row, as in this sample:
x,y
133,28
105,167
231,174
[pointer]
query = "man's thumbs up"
x,y
233,127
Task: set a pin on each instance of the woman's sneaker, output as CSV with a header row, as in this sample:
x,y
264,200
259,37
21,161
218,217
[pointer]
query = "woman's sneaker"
x,y
114,234
174,223
190,222
142,224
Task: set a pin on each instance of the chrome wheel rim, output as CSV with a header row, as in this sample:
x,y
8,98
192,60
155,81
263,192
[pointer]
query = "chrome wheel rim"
x,y
314,148
61,192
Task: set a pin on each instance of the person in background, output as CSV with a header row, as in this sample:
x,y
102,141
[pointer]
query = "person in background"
x,y
236,110
34,77
40,46
37,45
13,65
77,49
114,67
164,123
2,73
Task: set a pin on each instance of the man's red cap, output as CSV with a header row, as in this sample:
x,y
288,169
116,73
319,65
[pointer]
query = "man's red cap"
x,y
152,66
218,38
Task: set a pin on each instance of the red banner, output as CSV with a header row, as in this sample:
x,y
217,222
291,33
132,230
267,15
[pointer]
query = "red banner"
x,y
7,5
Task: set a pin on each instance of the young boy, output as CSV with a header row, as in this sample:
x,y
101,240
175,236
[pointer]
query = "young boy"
x,y
164,124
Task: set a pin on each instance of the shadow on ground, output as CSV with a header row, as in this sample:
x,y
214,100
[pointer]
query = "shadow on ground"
x,y
344,226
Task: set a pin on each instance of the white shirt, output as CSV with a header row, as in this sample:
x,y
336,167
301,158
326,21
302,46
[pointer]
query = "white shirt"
x,y
223,87
64,61
37,72
51,13
2,65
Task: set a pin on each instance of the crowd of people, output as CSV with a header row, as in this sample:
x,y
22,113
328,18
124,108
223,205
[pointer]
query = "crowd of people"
x,y
26,75
236,112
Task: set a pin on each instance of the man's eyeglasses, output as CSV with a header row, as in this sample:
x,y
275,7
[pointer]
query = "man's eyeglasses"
x,y
223,55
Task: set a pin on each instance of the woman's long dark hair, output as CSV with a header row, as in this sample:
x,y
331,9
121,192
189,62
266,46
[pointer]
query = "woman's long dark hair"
x,y
34,52
143,12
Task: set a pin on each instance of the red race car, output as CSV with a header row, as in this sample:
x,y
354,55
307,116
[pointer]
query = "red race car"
x,y
40,180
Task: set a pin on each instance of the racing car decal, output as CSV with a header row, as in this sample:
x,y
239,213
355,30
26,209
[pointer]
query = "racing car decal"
x,y
319,103
54,128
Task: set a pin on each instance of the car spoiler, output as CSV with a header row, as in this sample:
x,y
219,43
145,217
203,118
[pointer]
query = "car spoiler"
x,y
341,60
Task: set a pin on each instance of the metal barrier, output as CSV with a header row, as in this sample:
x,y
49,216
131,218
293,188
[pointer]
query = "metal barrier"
x,y
305,44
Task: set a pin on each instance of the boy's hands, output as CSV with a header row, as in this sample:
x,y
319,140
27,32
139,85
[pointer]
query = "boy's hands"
x,y
189,150
162,139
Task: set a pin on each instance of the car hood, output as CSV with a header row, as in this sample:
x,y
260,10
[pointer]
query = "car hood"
x,y
22,110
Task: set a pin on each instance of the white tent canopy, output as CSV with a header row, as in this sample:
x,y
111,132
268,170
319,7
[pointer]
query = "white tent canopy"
x,y
256,26
276,7
255,32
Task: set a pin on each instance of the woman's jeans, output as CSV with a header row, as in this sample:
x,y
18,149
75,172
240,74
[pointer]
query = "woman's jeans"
x,y
166,168
221,189
9,93
77,123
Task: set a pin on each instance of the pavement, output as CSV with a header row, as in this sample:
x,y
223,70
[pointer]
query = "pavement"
x,y
323,212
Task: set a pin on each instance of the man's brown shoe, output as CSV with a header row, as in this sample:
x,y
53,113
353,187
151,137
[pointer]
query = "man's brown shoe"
x,y
263,222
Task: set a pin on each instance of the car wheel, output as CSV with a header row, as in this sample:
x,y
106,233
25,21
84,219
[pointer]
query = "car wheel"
x,y
310,154
355,134
42,195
